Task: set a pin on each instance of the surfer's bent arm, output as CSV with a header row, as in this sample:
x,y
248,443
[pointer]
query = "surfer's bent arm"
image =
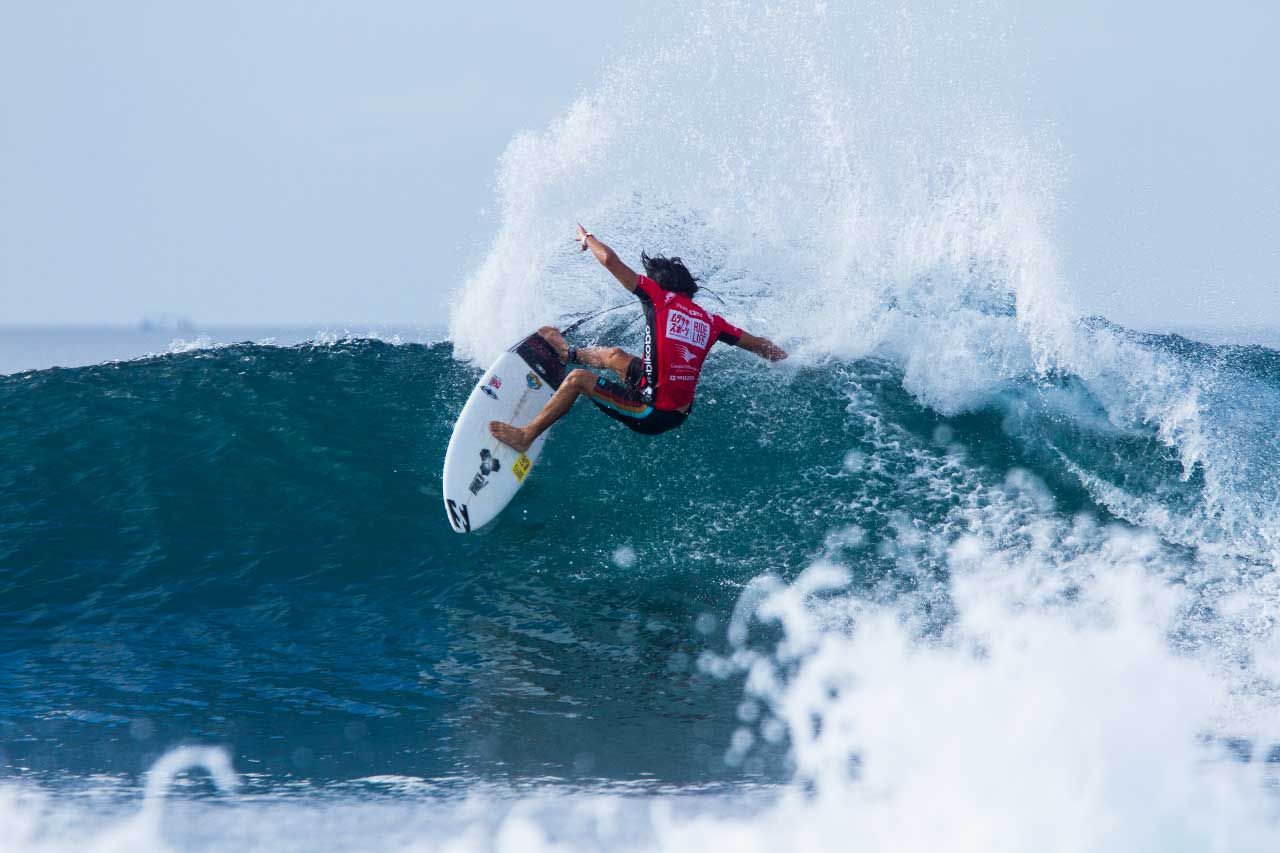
x,y
608,259
762,347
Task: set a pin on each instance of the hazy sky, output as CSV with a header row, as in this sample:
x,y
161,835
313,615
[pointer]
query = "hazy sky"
x,y
321,162
1169,115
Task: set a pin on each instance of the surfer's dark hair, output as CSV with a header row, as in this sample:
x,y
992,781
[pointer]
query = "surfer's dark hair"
x,y
670,274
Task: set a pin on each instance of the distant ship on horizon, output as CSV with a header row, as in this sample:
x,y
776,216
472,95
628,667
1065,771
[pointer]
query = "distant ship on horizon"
x,y
164,322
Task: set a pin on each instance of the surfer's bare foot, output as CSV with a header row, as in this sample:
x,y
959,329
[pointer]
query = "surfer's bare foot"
x,y
513,437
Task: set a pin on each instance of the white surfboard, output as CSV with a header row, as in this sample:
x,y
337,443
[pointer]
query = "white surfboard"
x,y
481,474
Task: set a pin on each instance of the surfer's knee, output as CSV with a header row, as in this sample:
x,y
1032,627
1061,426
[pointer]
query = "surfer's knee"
x,y
580,379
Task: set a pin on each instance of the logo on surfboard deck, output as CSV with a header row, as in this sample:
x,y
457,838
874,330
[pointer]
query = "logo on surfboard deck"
x,y
496,382
521,467
488,464
492,394
459,519
533,381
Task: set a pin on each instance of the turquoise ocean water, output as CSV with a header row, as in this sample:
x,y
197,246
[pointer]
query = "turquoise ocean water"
x,y
244,547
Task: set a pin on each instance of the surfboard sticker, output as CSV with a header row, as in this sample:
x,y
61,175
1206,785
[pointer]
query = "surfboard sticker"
x,y
513,390
521,467
458,516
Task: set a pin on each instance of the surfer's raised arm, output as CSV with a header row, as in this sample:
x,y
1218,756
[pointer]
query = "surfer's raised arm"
x,y
608,258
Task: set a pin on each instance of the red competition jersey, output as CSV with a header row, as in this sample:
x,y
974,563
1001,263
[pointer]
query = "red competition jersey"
x,y
678,335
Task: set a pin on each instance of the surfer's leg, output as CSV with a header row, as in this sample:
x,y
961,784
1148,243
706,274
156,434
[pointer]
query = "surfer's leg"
x,y
611,358
519,438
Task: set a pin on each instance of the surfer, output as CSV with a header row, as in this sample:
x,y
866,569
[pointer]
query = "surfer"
x,y
656,390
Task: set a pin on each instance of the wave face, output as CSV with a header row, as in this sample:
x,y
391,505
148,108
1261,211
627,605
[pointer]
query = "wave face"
x,y
968,569
245,546
245,543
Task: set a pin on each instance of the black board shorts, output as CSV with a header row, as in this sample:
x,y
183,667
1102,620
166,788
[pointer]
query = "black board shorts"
x,y
625,403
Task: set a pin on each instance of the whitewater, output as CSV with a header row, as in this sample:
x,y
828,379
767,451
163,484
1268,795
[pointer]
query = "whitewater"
x,y
972,570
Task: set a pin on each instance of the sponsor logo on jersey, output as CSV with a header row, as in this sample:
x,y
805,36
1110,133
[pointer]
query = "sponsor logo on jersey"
x,y
648,353
691,330
686,353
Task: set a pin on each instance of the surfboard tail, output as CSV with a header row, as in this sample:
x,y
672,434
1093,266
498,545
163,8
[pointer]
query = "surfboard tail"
x,y
459,519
